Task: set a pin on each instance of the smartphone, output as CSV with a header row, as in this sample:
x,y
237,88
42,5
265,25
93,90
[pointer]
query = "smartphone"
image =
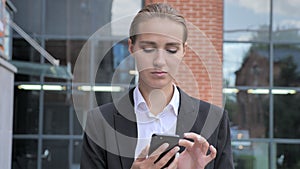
x,y
159,139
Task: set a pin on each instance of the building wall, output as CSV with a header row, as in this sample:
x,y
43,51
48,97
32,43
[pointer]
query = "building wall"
x,y
204,55
6,112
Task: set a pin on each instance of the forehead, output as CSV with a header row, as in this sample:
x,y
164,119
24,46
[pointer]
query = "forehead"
x,y
162,27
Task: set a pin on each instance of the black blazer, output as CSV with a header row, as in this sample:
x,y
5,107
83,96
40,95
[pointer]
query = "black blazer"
x,y
111,131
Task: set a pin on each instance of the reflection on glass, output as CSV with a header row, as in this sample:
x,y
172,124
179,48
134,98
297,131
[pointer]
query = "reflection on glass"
x,y
287,116
77,127
26,111
56,113
286,65
116,65
246,64
62,17
123,63
246,20
77,144
122,16
33,12
55,154
288,156
250,155
286,21
24,155
248,114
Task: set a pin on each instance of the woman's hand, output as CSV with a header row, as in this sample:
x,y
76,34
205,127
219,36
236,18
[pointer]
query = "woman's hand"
x,y
195,154
144,162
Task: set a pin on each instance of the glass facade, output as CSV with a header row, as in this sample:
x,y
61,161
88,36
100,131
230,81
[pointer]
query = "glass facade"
x,y
261,75
262,82
47,129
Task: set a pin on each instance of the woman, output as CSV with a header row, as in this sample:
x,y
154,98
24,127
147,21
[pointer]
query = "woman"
x,y
118,134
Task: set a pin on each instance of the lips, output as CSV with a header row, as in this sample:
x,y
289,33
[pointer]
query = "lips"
x,y
159,73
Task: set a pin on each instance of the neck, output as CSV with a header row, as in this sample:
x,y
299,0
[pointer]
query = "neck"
x,y
157,99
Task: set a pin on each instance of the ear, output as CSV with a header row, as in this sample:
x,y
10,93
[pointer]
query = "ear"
x,y
184,48
130,46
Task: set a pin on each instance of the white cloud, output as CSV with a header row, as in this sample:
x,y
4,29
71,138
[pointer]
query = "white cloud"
x,y
287,7
258,6
290,23
245,37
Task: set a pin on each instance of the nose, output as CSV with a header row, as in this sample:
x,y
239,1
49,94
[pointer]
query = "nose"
x,y
159,60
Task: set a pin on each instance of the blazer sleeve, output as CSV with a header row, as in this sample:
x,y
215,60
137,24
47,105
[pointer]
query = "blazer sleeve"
x,y
92,155
224,159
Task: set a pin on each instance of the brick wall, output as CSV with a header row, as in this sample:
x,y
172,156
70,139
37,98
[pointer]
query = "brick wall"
x,y
201,72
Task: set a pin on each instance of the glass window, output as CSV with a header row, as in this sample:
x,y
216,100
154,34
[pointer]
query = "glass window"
x,y
121,16
56,113
248,112
76,17
286,21
26,111
77,127
288,156
29,15
56,17
250,155
245,64
77,144
246,20
287,116
55,154
23,51
286,65
24,154
57,48
117,64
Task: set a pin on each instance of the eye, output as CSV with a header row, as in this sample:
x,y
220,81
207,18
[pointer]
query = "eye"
x,y
148,49
172,50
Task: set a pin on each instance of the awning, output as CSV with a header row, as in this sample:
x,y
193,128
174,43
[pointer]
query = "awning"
x,y
39,69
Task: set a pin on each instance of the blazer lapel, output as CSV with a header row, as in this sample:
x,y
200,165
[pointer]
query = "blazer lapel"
x,y
126,130
187,114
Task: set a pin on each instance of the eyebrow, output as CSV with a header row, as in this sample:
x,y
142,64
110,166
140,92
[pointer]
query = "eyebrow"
x,y
147,43
174,44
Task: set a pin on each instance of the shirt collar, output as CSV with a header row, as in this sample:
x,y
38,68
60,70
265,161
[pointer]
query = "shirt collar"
x,y
141,106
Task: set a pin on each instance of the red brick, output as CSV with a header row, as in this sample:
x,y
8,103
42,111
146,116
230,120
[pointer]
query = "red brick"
x,y
206,15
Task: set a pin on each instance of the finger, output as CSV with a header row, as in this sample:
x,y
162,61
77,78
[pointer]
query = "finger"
x,y
164,160
185,143
143,154
211,156
174,164
213,152
196,137
158,151
204,147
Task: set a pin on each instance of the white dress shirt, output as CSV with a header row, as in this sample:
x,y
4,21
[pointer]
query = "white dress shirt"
x,y
147,123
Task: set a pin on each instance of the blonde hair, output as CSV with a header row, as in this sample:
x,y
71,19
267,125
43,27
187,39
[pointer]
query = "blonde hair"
x,y
160,10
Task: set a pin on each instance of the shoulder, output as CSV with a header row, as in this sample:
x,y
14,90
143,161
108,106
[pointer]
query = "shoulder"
x,y
122,106
103,110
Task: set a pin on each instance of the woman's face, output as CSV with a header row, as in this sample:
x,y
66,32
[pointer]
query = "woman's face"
x,y
158,50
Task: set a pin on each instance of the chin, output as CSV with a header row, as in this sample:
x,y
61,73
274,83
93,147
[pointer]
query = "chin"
x,y
160,85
